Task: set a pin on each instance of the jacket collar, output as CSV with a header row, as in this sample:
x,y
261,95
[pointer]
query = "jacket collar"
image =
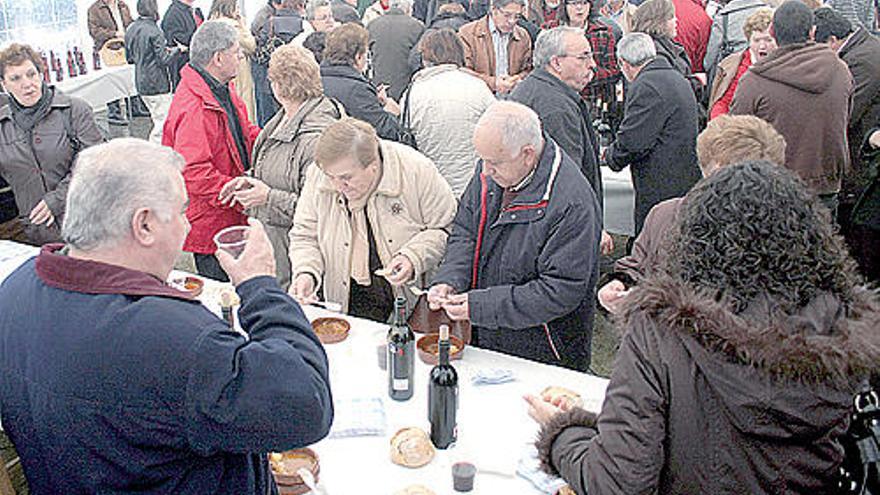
x,y
199,87
59,100
390,184
540,187
857,38
341,70
91,277
659,63
482,29
543,75
826,341
432,71
293,127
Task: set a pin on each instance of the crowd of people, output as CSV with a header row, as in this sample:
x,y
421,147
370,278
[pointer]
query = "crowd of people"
x,y
376,150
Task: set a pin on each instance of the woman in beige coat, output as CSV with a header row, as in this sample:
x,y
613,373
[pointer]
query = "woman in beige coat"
x,y
285,149
244,81
372,218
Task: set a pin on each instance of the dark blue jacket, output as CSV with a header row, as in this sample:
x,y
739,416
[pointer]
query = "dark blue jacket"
x,y
531,290
346,85
110,386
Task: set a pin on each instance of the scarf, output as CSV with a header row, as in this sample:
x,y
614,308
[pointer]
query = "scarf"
x,y
27,117
360,243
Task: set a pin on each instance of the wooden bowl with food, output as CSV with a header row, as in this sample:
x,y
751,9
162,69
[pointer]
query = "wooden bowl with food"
x,y
429,349
285,465
331,330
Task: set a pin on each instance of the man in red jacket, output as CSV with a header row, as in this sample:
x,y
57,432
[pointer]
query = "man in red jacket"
x,y
208,124
694,28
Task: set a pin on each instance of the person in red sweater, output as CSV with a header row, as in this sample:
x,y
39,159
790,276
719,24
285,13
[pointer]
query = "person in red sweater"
x,y
694,27
732,68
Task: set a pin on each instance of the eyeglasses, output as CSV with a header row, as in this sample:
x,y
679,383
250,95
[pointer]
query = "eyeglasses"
x,y
583,57
579,2
510,16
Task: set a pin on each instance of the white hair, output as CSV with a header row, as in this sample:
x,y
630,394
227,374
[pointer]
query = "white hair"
x,y
313,7
110,182
404,5
551,43
210,38
636,49
517,124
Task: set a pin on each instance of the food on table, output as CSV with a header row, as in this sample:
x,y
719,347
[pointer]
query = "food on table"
x,y
571,397
331,330
288,463
416,490
411,447
566,490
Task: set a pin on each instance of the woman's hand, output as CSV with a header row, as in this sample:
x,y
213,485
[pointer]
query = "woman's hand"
x,y
41,214
542,410
611,295
874,140
303,289
399,271
247,191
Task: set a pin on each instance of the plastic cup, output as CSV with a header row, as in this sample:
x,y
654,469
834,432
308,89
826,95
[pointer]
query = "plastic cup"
x,y
463,476
232,239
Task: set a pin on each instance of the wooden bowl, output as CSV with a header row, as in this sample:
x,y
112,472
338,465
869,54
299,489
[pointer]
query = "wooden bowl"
x,y
423,320
193,285
429,350
284,466
331,330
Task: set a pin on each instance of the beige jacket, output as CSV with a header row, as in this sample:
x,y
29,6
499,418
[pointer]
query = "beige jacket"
x,y
410,212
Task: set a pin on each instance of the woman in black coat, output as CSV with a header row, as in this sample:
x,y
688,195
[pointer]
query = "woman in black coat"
x,y
145,47
866,213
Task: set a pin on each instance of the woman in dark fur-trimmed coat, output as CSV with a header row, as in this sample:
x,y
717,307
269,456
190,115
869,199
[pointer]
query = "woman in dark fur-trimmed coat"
x,y
740,358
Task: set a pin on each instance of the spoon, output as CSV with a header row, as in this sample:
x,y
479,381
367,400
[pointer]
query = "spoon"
x,y
309,479
329,306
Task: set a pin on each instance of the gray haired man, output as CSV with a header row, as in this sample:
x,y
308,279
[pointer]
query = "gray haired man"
x,y
521,262
208,124
115,382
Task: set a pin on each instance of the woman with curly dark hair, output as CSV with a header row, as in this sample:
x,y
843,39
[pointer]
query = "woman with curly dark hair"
x,y
741,355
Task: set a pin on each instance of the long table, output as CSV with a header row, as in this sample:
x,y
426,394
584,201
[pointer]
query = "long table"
x,y
100,87
494,430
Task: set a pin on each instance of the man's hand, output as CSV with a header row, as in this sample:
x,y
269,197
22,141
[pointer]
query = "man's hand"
x,y
392,107
874,140
438,294
247,191
303,289
543,411
456,307
611,295
505,84
400,270
41,214
257,259
382,93
606,245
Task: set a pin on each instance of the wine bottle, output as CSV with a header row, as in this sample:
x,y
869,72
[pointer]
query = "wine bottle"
x,y
443,396
401,351
71,67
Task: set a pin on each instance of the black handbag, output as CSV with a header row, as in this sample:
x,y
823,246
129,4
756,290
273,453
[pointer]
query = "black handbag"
x,y
406,135
860,471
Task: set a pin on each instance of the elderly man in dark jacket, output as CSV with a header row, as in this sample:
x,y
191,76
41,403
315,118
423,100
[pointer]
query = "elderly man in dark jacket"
x,y
392,36
563,67
124,384
179,24
521,260
805,91
658,135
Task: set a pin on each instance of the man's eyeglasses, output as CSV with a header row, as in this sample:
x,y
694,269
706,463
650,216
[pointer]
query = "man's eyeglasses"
x,y
510,16
583,57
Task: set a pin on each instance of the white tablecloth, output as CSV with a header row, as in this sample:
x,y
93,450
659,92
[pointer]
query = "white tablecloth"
x,y
100,87
494,429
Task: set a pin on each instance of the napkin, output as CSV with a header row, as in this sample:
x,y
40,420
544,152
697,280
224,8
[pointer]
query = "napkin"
x,y
492,376
358,417
530,468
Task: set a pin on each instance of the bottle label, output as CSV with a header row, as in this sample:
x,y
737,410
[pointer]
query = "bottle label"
x,y
398,384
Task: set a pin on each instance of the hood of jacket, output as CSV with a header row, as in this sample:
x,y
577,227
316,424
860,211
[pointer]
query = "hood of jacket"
x,y
809,67
799,368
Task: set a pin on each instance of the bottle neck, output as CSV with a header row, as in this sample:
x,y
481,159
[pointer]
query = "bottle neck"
x,y
444,352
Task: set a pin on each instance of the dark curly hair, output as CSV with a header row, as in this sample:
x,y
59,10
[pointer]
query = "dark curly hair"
x,y
752,230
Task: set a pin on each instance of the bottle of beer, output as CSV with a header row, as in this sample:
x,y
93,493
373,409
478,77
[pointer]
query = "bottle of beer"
x,y
401,351
443,396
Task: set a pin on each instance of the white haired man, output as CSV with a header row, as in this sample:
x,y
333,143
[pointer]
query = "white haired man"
x,y
208,124
114,382
521,260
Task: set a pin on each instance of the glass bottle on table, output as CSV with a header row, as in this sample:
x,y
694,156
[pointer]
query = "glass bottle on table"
x,y
443,396
401,351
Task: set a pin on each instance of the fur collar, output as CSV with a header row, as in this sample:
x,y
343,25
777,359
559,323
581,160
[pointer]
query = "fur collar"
x,y
826,342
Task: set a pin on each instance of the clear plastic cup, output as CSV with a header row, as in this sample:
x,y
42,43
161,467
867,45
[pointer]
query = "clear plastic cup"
x,y
232,239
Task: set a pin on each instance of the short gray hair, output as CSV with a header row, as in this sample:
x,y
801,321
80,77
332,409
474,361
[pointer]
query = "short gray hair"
x,y
313,7
517,124
500,4
636,49
110,182
404,5
210,38
551,43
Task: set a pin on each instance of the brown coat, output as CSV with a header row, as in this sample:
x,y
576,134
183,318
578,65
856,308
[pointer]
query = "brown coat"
x,y
102,26
724,76
647,250
805,92
702,400
479,52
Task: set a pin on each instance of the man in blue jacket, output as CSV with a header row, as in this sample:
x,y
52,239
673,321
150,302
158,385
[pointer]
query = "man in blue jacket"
x,y
114,382
521,260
